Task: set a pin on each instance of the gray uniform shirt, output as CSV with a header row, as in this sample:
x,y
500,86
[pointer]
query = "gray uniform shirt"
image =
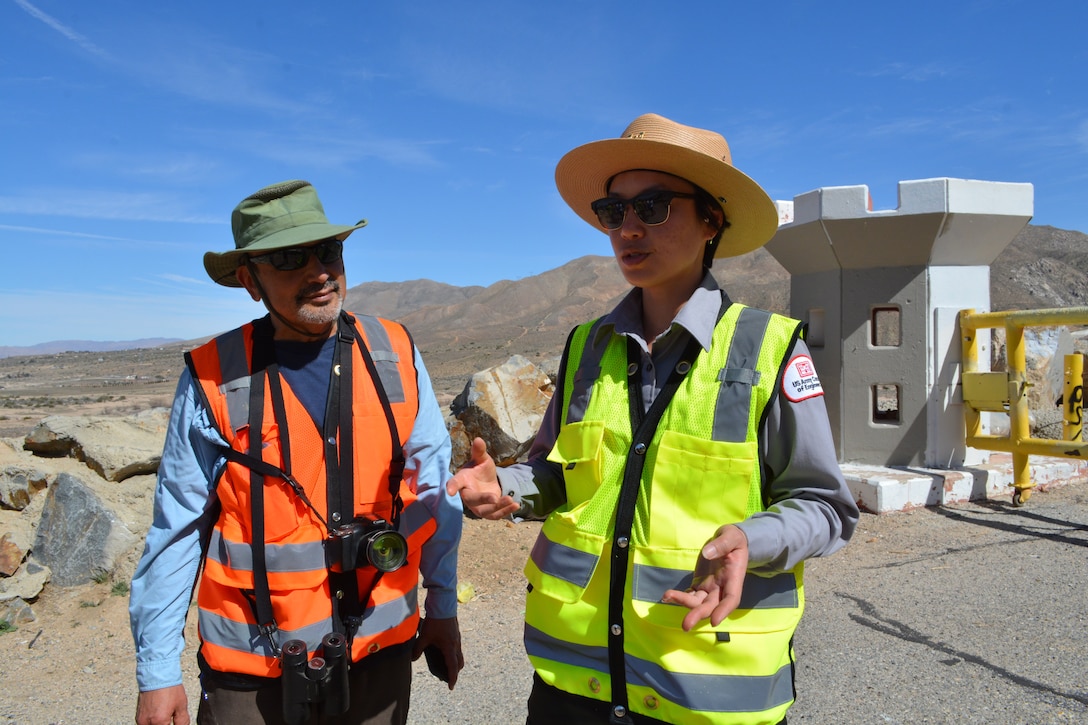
x,y
811,512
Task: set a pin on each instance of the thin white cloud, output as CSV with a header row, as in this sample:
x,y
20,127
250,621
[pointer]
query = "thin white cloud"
x,y
113,205
910,72
81,235
181,279
193,65
64,30
180,168
215,73
1081,136
337,148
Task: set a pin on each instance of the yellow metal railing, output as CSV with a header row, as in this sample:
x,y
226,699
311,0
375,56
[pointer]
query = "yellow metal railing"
x,y
1007,392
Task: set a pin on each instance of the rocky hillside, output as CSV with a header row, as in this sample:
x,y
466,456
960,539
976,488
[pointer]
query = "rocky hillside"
x,y
1043,267
465,329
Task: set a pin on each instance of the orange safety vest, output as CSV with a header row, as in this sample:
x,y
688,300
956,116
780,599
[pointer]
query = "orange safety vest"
x,y
307,599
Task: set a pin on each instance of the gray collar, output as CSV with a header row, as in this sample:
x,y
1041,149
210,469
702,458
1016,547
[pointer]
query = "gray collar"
x,y
698,316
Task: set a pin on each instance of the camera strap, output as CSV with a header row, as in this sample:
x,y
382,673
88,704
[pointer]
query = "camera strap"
x,y
340,470
348,611
265,368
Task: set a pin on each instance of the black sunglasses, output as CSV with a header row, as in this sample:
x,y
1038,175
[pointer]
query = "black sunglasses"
x,y
327,251
652,208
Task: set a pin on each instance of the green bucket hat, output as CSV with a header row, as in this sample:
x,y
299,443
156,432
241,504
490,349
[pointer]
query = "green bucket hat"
x,y
287,214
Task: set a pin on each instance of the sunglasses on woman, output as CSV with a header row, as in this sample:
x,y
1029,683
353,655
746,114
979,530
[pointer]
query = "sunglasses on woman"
x,y
327,251
652,208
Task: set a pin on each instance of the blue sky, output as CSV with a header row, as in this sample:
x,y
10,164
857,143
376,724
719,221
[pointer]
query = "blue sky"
x,y
130,129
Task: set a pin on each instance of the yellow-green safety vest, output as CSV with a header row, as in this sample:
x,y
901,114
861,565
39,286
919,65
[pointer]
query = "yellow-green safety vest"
x,y
595,625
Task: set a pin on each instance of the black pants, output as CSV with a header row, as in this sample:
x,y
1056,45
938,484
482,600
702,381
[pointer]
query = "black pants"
x,y
549,705
379,696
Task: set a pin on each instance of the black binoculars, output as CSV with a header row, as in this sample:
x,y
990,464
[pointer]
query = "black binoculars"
x,y
312,681
365,542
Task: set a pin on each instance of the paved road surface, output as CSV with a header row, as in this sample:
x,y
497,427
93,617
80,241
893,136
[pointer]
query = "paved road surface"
x,y
969,614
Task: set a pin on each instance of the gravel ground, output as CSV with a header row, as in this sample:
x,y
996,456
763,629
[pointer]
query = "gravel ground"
x,y
965,614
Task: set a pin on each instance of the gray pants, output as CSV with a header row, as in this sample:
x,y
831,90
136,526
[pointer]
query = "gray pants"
x,y
379,696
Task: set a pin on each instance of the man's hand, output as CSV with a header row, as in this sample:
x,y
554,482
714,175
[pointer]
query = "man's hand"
x,y
478,485
719,578
446,635
166,706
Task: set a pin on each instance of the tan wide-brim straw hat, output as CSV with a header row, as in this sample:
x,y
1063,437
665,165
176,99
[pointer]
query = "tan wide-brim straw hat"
x,y
655,143
287,214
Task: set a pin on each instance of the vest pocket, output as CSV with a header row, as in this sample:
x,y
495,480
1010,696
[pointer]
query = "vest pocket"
x,y
563,560
578,451
698,486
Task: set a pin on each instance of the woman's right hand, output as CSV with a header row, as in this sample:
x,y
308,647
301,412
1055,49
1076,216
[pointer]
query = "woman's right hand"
x,y
478,484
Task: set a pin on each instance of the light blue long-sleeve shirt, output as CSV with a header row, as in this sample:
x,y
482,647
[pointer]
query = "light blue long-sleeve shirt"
x,y
185,495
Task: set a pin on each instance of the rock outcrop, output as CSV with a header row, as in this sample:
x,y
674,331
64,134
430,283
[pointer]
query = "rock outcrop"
x,y
503,405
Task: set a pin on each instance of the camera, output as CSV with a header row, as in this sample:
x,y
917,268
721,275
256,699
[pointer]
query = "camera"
x,y
363,542
309,681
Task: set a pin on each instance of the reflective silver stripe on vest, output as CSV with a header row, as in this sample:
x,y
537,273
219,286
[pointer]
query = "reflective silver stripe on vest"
x,y
234,369
563,562
739,375
774,592
280,558
699,692
390,614
243,637
385,360
290,558
589,369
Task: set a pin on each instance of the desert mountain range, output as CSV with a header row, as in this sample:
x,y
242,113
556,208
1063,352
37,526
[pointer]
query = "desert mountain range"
x,y
465,329
462,330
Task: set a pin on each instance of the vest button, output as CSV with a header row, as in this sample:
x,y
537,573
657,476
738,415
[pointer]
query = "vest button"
x,y
650,701
339,593
374,647
331,440
594,684
622,542
616,629
619,711
683,366
640,448
335,516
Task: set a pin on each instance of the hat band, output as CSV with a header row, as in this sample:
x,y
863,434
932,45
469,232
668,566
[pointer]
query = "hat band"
x,y
269,226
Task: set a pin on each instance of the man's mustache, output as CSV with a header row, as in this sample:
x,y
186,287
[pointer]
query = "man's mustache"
x,y
314,289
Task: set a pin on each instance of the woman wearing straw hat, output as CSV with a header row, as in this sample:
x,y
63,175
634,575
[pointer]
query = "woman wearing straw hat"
x,y
685,468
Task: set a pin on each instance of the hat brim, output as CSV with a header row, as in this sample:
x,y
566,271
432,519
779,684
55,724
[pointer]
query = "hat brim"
x,y
221,266
582,177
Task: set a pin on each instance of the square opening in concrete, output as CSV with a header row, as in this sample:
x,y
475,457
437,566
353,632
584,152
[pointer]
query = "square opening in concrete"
x,y
884,327
885,399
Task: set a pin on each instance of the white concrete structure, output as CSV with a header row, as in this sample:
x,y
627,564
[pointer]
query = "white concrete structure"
x,y
881,292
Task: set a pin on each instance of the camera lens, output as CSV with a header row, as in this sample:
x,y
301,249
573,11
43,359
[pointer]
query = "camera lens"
x,y
386,550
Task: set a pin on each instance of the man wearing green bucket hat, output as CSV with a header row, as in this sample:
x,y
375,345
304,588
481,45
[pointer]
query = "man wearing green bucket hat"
x,y
301,494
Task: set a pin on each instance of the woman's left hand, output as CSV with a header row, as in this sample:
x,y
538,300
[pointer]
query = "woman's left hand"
x,y
719,579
